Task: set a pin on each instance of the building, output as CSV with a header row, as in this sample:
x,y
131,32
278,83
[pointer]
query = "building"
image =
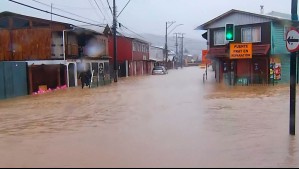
x,y
132,56
54,53
156,54
269,59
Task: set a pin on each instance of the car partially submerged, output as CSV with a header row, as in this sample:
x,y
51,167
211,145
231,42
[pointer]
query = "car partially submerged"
x,y
159,70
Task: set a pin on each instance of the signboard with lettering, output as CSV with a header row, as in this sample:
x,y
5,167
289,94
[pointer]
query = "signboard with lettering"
x,y
241,51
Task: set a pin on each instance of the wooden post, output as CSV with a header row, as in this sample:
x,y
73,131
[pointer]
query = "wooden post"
x,y
30,79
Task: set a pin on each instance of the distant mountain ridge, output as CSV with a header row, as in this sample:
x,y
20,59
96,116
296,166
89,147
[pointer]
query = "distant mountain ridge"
x,y
193,46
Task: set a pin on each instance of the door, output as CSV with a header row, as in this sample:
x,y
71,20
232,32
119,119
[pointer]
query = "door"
x,y
72,81
259,73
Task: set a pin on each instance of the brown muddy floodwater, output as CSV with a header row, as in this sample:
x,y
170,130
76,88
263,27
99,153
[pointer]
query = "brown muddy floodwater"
x,y
154,121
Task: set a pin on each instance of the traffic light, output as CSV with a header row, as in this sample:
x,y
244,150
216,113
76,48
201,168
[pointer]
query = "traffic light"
x,y
230,32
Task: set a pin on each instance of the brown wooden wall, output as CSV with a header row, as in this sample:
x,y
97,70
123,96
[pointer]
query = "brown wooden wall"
x,y
4,45
26,44
31,44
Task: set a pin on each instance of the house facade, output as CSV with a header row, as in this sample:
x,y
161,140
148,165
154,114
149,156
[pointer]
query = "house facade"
x,y
264,34
132,56
54,52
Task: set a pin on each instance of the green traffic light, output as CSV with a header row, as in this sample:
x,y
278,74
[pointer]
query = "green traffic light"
x,y
229,32
229,36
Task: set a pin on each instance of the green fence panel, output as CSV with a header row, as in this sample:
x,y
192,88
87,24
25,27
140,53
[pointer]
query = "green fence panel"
x,y
8,79
15,79
19,79
2,87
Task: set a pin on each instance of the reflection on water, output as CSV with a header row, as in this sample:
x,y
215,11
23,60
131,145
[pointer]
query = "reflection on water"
x,y
153,121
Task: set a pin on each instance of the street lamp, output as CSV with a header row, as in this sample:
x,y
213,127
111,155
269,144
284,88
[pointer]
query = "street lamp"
x,y
175,28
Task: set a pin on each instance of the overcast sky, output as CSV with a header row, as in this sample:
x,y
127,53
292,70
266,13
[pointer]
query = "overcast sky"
x,y
149,16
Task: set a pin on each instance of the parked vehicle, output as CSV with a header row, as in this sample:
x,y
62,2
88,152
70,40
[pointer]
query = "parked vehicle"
x,y
159,70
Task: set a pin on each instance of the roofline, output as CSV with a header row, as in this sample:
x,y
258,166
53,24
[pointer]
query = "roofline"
x,y
8,13
204,26
132,38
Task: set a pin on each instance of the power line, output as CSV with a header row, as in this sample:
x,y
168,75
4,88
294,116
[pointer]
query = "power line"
x,y
124,8
64,11
93,7
105,10
55,13
132,31
100,9
109,7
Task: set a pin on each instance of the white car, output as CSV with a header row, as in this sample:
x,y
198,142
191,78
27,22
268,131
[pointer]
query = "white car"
x,y
159,70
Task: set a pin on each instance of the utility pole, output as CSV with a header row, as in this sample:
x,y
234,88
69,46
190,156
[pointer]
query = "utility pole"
x,y
115,42
293,75
176,47
166,40
182,50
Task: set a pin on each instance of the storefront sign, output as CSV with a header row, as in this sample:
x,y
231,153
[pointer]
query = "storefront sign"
x,y
241,51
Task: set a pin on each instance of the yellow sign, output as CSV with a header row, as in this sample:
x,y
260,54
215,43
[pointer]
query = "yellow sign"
x,y
241,51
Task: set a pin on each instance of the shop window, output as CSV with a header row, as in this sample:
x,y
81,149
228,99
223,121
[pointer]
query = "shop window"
x,y
251,35
20,23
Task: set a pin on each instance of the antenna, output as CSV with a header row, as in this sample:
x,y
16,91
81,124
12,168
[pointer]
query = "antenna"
x,y
262,9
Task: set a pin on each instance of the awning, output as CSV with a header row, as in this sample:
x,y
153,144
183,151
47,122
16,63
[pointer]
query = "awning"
x,y
217,52
261,49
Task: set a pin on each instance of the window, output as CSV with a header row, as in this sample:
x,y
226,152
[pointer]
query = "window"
x,y
4,23
251,34
134,47
20,23
40,24
219,37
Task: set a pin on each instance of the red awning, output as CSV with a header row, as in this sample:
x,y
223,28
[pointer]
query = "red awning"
x,y
217,52
261,49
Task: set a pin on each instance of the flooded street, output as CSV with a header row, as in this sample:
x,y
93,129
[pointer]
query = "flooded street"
x,y
153,121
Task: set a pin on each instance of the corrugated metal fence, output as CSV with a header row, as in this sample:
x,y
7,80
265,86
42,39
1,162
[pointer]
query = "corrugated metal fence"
x,y
13,79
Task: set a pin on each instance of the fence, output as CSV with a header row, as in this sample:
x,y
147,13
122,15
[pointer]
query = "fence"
x,y
13,79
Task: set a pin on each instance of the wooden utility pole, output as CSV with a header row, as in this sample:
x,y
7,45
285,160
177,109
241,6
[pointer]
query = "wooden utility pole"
x,y
115,42
182,50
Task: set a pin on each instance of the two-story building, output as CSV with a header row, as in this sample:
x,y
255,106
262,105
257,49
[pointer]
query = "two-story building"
x,y
265,34
132,56
51,54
